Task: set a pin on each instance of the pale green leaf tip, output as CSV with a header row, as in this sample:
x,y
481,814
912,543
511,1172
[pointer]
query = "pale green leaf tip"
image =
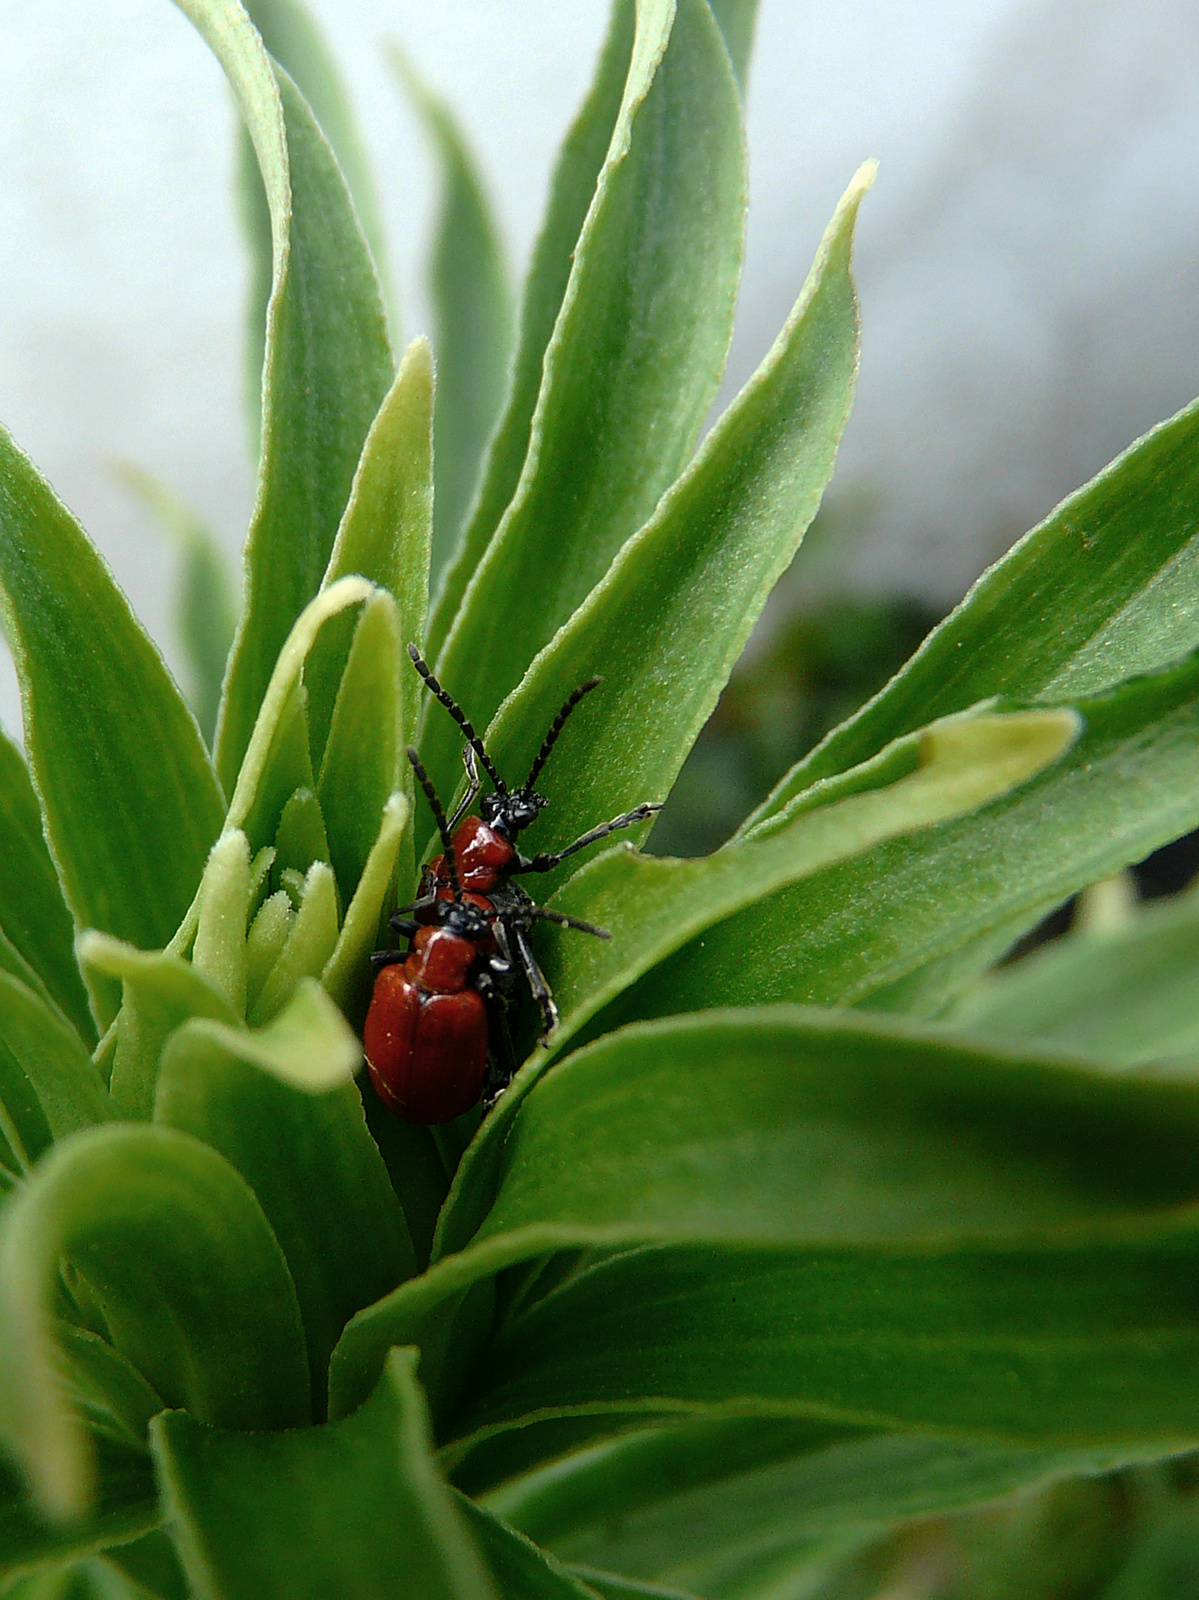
x,y
1009,747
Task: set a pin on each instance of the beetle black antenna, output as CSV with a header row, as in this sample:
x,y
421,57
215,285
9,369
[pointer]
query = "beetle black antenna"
x,y
563,921
459,716
439,816
556,727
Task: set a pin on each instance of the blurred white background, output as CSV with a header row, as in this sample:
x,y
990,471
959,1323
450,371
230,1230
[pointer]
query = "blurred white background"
x,y
1028,262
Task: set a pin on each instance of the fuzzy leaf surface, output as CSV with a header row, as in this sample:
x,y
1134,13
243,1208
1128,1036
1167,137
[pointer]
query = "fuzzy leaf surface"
x,y
696,577
1100,591
129,800
472,313
287,1512
1124,996
33,913
327,366
191,1283
637,354
572,187
852,934
305,1152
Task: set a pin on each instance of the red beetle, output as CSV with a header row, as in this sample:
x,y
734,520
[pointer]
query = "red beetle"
x,y
436,1037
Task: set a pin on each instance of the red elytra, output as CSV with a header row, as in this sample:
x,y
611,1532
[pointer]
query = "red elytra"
x,y
425,1038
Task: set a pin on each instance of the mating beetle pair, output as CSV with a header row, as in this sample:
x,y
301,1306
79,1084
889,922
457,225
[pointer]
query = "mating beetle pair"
x,y
436,1036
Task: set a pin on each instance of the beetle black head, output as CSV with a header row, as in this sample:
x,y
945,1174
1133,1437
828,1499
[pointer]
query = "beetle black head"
x,y
509,813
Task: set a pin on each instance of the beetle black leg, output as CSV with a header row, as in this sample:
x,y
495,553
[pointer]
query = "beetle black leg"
x,y
474,784
387,958
548,860
535,978
399,919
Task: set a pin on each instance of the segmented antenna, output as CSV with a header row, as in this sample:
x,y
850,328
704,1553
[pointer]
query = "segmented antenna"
x,y
556,728
564,921
439,816
459,716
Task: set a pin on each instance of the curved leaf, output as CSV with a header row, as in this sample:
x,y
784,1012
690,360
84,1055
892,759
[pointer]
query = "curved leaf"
x,y
571,190
1123,996
636,355
192,1284
54,1062
126,1505
286,1512
472,311
519,1567
1101,590
364,760
129,800
33,913
347,974
280,1108
326,371
654,905
856,933
696,577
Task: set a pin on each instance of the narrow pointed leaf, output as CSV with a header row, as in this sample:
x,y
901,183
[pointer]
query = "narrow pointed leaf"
x,y
194,1289
695,579
311,939
652,906
1098,592
286,1512
326,370
152,1563
280,1107
159,993
680,1502
1125,996
219,952
737,19
637,354
472,312
518,1566
129,800
33,914
292,37
854,933
571,190
347,974
205,605
364,755
53,1059
385,534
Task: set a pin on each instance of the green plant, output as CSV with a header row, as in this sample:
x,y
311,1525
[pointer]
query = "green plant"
x,y
804,1227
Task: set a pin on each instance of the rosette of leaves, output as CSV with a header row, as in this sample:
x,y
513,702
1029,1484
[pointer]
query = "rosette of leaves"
x,y
802,1227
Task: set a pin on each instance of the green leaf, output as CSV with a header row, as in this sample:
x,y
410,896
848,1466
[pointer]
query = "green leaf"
x,y
518,1566
637,353
297,44
191,1282
54,1062
737,19
219,952
681,1503
126,1506
129,801
326,371
696,577
109,1392
280,1107
33,914
385,535
612,1587
205,605
159,992
814,1187
311,938
1123,996
854,933
364,754
151,1562
472,312
571,190
1100,591
347,975
286,1513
